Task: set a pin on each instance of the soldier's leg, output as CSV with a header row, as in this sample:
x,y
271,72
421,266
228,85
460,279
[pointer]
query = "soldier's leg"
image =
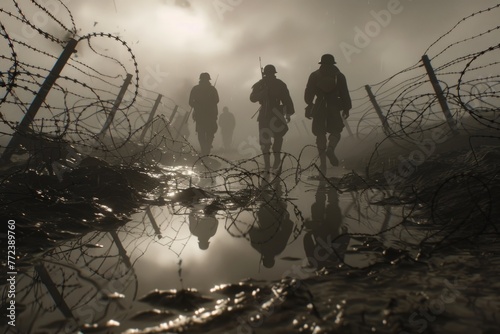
x,y
267,156
319,130
229,139
201,140
265,136
209,140
333,140
321,145
277,144
334,126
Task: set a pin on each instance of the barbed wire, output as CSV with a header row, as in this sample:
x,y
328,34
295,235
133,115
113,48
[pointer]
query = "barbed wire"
x,y
444,197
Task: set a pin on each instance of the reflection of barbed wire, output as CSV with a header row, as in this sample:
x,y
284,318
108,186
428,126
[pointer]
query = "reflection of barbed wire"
x,y
420,210
75,279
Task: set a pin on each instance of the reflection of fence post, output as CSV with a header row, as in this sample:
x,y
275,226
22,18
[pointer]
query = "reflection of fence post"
x,y
374,102
121,250
54,293
118,100
152,220
38,100
439,93
151,116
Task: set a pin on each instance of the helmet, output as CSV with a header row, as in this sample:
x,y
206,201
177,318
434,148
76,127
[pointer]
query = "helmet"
x,y
203,244
205,76
327,59
268,262
269,69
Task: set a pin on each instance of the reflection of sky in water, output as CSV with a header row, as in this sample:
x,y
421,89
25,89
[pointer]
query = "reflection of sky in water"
x,y
227,259
99,264
230,257
312,214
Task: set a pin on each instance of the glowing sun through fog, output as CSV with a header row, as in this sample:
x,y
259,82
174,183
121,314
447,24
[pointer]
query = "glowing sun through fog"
x,y
184,30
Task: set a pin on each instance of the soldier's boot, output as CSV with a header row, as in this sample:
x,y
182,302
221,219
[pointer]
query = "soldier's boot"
x,y
203,143
321,145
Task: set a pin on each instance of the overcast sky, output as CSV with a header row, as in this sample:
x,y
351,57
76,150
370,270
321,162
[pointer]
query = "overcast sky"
x,y
226,37
176,40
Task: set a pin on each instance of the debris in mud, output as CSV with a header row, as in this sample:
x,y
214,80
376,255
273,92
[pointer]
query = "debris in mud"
x,y
153,315
235,289
97,328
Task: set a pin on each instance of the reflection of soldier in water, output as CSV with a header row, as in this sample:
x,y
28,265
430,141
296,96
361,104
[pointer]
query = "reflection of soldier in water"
x,y
203,226
320,241
270,232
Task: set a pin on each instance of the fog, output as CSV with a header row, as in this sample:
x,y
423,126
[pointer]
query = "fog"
x,y
176,40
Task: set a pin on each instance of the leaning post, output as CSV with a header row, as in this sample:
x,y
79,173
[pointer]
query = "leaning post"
x,y
377,108
151,116
173,114
117,103
439,93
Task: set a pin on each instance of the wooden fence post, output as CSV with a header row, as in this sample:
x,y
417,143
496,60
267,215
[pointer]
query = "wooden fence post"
x,y
374,102
118,100
184,123
151,116
439,93
173,114
38,100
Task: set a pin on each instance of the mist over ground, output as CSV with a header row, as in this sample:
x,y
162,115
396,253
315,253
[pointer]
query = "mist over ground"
x,y
177,40
102,203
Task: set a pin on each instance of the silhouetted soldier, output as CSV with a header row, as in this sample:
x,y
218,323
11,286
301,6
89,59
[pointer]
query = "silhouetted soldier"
x,y
204,99
227,124
329,86
274,114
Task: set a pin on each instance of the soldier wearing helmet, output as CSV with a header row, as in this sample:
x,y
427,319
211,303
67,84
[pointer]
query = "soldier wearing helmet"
x,y
326,96
274,114
204,99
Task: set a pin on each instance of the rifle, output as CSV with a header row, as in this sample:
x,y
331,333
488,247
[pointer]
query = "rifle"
x,y
261,69
262,76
